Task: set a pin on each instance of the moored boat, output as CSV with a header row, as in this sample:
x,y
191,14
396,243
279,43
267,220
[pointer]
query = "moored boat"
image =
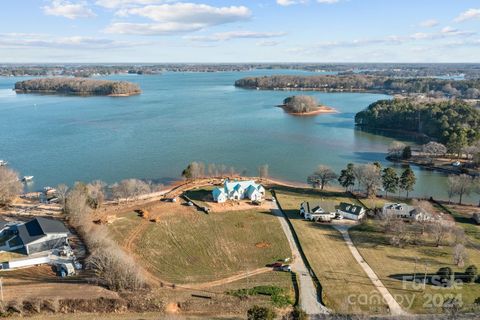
x,y
27,178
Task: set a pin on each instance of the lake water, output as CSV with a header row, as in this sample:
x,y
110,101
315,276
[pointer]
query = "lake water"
x,y
181,117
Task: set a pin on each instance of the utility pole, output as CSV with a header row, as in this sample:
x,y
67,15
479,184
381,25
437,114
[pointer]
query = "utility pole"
x,y
1,288
425,277
415,270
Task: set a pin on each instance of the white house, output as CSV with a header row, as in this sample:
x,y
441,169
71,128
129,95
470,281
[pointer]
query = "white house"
x,y
405,211
36,235
239,190
315,213
351,211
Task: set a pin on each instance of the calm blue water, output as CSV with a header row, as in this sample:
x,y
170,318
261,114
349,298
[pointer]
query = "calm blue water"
x,y
181,117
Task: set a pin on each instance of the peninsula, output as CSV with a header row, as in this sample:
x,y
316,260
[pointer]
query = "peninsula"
x,y
78,86
304,106
432,87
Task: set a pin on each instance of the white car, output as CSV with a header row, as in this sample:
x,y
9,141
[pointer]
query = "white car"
x,y
456,164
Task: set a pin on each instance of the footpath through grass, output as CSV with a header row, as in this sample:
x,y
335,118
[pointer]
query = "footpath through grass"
x,y
343,281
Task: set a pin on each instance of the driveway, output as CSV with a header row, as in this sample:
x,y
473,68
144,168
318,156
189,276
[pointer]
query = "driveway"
x,y
395,308
308,293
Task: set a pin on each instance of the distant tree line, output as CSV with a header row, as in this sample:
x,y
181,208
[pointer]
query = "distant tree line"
x,y
77,86
450,122
466,89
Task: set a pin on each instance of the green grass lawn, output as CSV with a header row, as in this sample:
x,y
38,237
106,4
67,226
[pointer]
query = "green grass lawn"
x,y
121,227
193,247
387,261
466,222
329,256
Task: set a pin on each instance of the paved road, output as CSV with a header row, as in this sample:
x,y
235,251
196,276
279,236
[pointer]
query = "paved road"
x,y
395,308
308,293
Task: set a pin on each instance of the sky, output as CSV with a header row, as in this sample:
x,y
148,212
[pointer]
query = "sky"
x,y
160,31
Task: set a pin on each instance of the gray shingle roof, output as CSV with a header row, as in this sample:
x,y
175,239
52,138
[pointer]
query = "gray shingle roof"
x,y
38,228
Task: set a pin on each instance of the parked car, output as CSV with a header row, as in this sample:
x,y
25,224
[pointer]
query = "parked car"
x,y
190,203
286,268
275,265
64,269
456,164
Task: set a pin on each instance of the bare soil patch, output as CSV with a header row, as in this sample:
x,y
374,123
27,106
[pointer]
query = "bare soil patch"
x,y
263,244
42,282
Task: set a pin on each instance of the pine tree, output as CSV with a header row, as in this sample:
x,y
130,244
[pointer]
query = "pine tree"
x,y
390,180
408,180
347,177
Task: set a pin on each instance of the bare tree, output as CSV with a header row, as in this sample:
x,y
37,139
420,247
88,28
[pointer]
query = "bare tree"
x,y
10,186
460,255
398,231
76,205
130,188
194,171
439,232
322,176
371,177
434,149
263,171
396,148
96,193
460,185
472,149
212,170
116,270
62,191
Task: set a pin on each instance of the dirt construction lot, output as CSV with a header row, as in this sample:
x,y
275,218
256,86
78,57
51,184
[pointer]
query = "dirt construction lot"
x,y
41,282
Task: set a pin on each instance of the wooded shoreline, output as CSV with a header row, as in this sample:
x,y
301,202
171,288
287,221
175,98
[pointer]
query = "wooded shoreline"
x,y
78,86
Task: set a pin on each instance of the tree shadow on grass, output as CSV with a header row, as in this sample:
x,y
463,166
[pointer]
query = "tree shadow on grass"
x,y
368,241
200,195
432,253
430,278
295,191
412,260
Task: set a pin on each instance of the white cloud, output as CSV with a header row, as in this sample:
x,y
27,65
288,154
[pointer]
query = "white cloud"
x,y
446,32
190,13
177,17
152,28
468,15
113,4
290,2
286,3
68,9
268,43
224,36
429,23
15,40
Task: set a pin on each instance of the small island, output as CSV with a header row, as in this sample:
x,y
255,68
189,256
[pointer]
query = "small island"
x,y
304,106
78,86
